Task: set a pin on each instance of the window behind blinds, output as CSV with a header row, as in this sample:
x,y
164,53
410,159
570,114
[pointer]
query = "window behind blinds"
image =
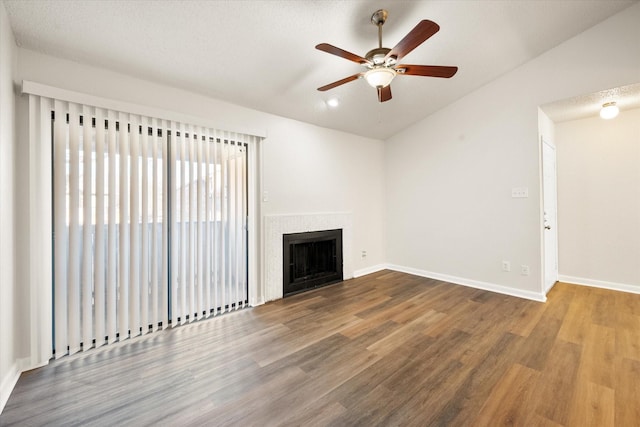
x,y
150,224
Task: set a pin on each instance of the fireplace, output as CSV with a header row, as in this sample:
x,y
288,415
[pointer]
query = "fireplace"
x,y
311,260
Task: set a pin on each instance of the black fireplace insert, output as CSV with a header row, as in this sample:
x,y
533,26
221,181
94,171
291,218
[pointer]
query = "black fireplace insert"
x,y
311,260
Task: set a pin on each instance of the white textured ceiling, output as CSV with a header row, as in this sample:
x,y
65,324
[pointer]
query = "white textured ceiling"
x,y
589,105
260,54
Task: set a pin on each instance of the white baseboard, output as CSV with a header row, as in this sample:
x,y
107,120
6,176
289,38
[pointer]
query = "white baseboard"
x,y
9,381
369,270
535,296
622,287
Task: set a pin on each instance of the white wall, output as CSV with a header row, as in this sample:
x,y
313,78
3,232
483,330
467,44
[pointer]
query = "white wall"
x,y
8,354
449,177
339,172
599,200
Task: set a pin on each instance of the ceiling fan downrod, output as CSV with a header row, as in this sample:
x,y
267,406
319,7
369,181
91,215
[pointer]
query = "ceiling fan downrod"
x,y
376,56
378,19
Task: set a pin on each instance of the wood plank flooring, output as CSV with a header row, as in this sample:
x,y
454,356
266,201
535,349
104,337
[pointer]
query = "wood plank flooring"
x,y
385,349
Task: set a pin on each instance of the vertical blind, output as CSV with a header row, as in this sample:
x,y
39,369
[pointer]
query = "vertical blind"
x,y
150,224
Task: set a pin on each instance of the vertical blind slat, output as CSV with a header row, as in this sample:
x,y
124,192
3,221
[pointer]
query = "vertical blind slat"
x,y
182,296
191,257
232,218
241,221
242,226
166,191
231,226
215,234
73,290
163,162
144,231
61,230
87,231
207,224
112,214
238,220
123,241
245,217
176,227
200,233
99,252
134,227
155,318
224,238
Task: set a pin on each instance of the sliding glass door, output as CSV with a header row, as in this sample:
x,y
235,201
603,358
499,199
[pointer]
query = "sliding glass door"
x,y
149,224
209,224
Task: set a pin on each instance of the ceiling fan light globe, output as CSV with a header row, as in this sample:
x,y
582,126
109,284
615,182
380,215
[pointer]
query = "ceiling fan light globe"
x,y
380,77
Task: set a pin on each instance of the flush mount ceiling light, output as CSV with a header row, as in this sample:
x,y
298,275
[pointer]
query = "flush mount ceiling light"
x,y
609,110
380,77
333,102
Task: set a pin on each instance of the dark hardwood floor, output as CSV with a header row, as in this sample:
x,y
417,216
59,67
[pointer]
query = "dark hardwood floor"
x,y
385,349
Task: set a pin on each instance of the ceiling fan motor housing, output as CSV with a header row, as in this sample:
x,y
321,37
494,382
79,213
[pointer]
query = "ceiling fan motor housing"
x,y
377,56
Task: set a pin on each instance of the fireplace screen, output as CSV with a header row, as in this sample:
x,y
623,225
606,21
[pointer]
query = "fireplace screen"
x,y
311,260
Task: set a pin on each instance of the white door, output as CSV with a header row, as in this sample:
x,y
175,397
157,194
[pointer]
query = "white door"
x,y
550,214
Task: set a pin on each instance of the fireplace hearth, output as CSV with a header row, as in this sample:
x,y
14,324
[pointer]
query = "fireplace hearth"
x,y
311,260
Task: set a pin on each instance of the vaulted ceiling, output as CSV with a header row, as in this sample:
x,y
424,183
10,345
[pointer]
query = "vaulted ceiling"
x,y
260,54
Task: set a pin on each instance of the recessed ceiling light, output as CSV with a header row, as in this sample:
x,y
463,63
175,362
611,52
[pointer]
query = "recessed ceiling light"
x,y
333,102
609,110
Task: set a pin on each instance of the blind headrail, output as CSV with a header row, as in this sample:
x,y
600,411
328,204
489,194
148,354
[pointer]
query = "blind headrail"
x,y
39,89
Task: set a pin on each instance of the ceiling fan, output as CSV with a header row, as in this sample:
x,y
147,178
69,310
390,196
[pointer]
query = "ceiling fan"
x,y
382,63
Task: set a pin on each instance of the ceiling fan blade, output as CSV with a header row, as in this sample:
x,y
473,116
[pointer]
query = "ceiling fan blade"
x,y
415,38
340,82
428,70
325,47
384,93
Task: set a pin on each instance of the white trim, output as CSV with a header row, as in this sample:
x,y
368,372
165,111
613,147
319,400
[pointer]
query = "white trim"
x,y
541,209
622,287
492,287
8,383
33,88
369,270
11,379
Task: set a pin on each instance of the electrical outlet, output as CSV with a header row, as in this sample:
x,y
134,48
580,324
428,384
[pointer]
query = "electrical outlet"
x,y
506,266
520,192
364,254
524,270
